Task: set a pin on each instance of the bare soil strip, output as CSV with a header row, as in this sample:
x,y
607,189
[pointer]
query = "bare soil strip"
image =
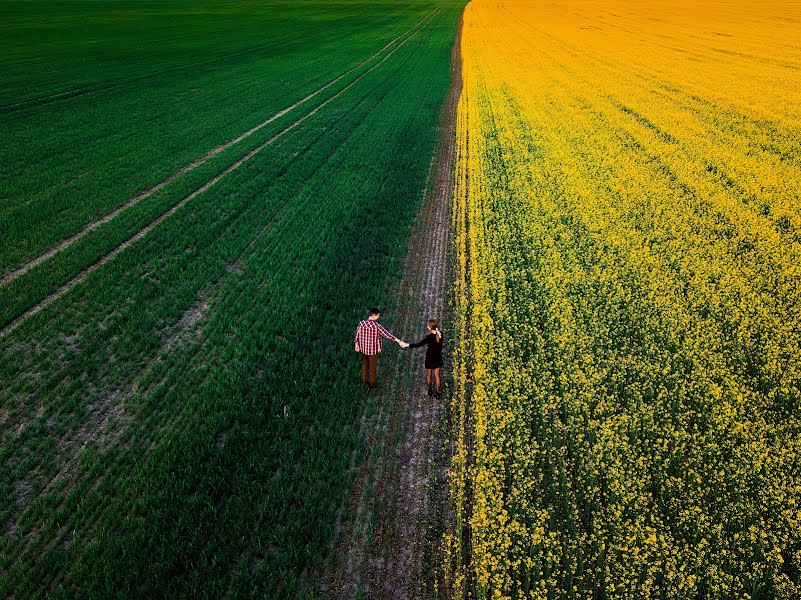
x,y
64,289
50,252
390,549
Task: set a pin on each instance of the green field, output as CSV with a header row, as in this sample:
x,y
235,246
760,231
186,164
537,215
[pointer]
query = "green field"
x,y
179,405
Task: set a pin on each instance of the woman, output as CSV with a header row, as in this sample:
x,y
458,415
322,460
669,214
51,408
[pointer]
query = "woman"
x,y
433,343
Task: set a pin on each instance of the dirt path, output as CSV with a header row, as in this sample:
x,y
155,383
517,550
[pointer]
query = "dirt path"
x,y
66,243
80,277
391,547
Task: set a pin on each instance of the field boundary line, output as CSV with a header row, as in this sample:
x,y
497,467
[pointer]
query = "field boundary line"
x,y
108,217
61,291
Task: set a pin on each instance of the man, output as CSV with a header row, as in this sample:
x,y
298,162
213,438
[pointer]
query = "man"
x,y
368,342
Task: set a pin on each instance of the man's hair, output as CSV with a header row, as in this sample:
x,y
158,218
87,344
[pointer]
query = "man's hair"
x,y
374,311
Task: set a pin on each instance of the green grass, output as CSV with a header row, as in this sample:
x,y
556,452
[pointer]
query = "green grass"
x,y
166,83
182,423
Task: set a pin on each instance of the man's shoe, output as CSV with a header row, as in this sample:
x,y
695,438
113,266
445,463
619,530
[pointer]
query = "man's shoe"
x,y
430,391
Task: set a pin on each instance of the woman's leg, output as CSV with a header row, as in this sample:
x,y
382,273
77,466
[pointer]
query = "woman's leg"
x,y
436,376
428,377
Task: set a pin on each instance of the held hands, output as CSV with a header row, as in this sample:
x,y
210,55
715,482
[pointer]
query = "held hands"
x,y
403,344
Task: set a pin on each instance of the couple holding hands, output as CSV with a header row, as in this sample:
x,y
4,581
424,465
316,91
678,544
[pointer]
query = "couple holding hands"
x,y
368,342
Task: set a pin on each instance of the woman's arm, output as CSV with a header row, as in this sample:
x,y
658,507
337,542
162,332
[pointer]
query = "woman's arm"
x,y
423,342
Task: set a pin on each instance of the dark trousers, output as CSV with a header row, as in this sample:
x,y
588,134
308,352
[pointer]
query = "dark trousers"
x,y
369,364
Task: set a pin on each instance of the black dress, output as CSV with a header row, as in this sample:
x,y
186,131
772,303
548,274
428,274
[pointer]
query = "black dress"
x,y
433,350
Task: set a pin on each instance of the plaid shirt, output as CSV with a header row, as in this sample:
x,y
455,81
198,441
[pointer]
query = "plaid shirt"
x,y
369,334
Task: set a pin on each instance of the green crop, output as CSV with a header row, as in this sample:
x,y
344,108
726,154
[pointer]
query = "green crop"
x,y
184,420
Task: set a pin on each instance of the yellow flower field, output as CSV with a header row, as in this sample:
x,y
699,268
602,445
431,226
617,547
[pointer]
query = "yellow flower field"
x,y
628,250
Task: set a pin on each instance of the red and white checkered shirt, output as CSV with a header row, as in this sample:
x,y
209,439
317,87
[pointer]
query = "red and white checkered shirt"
x,y
369,334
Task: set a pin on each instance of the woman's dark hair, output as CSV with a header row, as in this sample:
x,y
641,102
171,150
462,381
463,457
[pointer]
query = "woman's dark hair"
x,y
374,311
432,324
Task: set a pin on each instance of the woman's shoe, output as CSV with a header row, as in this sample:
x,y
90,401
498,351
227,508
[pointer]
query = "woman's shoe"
x,y
430,391
436,395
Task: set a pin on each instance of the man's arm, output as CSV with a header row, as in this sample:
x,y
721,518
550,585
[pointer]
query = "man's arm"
x,y
385,334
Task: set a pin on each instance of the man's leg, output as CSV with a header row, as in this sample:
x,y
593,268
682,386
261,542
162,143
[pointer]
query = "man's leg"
x,y
373,363
365,368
